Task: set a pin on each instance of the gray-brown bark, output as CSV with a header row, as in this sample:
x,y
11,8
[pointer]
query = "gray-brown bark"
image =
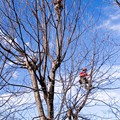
x,y
37,95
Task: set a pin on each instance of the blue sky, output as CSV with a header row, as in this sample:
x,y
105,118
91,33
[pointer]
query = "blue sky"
x,y
107,18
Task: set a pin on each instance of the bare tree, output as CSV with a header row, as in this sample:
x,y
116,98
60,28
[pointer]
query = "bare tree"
x,y
45,42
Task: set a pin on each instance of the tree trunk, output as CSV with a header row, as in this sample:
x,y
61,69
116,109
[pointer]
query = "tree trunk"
x,y
51,96
37,95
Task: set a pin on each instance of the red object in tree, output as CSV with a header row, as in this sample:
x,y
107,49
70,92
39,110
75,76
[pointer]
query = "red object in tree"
x,y
83,74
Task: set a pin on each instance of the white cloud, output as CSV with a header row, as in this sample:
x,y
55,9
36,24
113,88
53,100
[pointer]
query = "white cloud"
x,y
107,72
110,25
104,25
112,22
15,75
8,64
114,71
12,102
115,17
115,27
5,40
12,99
108,96
28,43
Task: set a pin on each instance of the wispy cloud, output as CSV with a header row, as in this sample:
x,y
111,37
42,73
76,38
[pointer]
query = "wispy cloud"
x,y
111,22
